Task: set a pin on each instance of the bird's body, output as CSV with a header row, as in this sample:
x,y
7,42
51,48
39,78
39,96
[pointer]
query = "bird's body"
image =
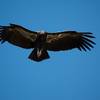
x,y
43,41
39,53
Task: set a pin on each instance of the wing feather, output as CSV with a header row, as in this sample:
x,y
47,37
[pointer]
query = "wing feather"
x,y
18,35
69,40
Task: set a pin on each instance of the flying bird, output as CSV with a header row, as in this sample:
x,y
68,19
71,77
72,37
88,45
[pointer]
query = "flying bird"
x,y
42,41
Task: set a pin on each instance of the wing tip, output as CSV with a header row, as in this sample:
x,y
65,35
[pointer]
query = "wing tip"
x,y
86,42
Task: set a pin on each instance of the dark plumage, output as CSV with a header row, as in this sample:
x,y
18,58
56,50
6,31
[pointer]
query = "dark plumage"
x,y
43,41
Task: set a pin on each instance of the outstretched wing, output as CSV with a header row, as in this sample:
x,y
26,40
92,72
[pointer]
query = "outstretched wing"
x,y
18,35
68,40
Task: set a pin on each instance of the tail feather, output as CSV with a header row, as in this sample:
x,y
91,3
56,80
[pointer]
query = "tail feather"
x,y
39,55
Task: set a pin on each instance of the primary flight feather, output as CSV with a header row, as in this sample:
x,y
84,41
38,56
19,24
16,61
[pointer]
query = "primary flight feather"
x,y
43,41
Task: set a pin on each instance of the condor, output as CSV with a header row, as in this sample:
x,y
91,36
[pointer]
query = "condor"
x,y
43,41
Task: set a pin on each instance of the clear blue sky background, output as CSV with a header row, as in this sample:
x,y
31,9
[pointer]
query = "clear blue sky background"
x,y
69,75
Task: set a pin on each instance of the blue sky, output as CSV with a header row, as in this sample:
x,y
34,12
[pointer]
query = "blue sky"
x,y
69,75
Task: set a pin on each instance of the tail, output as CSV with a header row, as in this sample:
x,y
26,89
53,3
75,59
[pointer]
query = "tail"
x,y
39,55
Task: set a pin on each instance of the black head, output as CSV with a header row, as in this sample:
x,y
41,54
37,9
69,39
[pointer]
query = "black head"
x,y
41,36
